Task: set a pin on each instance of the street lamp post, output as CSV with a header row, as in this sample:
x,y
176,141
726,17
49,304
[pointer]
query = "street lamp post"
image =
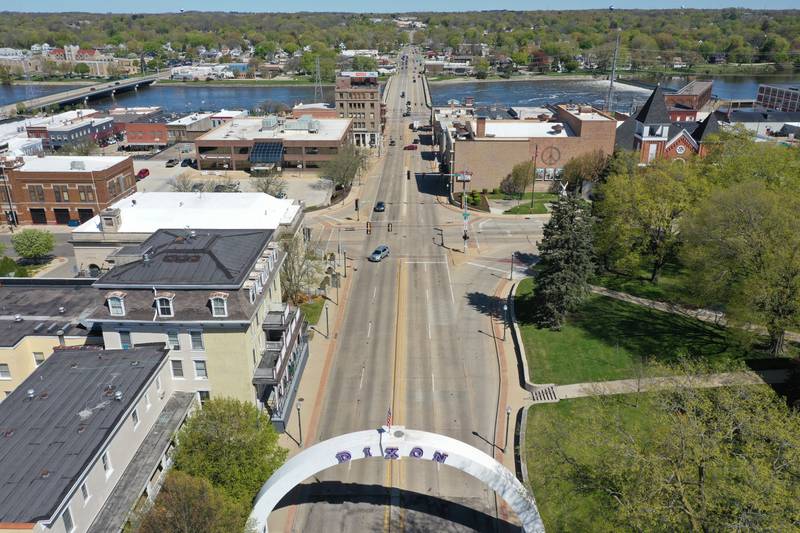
x,y
505,320
508,417
327,323
299,424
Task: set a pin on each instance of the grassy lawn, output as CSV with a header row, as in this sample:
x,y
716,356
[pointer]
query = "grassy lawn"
x,y
671,285
312,309
562,506
524,207
607,339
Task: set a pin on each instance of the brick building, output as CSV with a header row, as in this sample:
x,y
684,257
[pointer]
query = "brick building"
x,y
688,101
779,97
254,143
358,97
490,148
60,189
653,134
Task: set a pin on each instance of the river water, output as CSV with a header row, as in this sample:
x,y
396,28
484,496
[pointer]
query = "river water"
x,y
186,98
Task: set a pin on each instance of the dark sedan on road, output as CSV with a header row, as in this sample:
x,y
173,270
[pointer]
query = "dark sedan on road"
x,y
380,207
410,147
379,253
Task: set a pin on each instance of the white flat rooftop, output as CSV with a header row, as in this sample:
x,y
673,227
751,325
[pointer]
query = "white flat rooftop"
x,y
522,129
248,129
146,212
189,119
64,163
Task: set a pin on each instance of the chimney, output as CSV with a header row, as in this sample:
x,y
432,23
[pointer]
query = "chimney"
x,y
481,128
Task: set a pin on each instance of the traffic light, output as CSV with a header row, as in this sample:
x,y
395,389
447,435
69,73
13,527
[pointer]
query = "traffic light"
x,y
465,236
356,204
408,174
369,228
390,227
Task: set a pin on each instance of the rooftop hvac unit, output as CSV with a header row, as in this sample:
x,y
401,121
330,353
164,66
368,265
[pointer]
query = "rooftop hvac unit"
x,y
77,165
269,123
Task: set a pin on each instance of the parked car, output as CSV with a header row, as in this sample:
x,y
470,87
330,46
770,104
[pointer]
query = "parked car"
x,y
392,142
379,253
172,162
415,141
380,207
142,174
410,147
186,162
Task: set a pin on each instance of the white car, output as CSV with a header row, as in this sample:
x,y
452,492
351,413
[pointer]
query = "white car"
x,y
379,253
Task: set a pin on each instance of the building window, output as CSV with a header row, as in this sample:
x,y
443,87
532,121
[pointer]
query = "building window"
x,y
116,306
69,525
164,307
200,369
38,358
177,368
85,493
36,193
107,468
173,341
5,372
197,340
219,306
86,193
135,418
147,401
125,340
61,193
204,396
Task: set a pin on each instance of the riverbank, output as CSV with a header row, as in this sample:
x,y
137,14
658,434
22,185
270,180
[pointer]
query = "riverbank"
x,y
56,82
532,77
240,83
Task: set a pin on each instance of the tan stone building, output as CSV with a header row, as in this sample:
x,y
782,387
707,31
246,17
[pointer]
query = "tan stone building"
x,y
358,97
60,189
489,148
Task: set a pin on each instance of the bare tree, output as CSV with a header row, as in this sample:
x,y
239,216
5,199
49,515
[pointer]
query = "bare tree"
x,y
301,268
181,184
271,184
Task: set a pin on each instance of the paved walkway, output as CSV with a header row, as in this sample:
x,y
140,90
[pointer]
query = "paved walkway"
x,y
627,386
705,315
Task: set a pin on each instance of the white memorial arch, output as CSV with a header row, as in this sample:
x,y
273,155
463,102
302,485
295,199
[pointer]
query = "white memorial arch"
x,y
393,443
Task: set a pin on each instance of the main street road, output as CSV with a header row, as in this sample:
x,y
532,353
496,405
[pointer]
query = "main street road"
x,y
414,339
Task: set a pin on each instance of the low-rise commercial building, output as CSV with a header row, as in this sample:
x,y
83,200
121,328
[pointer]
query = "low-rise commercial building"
x,y
60,189
779,97
689,101
489,148
255,143
37,317
86,437
132,220
317,110
70,128
358,97
214,297
188,128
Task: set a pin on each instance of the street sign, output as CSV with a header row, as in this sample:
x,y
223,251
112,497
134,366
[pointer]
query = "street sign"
x,y
464,177
466,215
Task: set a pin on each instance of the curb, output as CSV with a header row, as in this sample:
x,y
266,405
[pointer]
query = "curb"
x,y
519,348
520,457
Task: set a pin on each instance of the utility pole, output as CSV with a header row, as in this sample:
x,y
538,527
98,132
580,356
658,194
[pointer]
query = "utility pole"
x,y
508,416
317,81
610,97
299,424
533,179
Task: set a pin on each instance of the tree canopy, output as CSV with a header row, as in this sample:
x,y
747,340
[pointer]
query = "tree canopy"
x,y
33,244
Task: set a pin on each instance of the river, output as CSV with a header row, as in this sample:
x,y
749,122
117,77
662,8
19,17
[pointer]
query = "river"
x,y
186,98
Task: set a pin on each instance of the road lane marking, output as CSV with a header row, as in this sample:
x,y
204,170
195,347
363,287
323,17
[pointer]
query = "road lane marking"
x,y
433,382
369,329
429,331
425,262
361,380
374,292
450,283
487,267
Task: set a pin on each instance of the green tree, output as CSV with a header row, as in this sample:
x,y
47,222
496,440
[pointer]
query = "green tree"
x,y
743,248
481,69
591,167
688,459
565,261
519,180
81,69
231,444
187,503
639,214
349,162
33,244
363,63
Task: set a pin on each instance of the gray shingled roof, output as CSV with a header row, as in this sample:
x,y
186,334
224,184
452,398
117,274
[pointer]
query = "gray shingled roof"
x,y
200,259
48,441
654,111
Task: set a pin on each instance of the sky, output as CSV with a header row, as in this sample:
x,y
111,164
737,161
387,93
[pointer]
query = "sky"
x,y
378,6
